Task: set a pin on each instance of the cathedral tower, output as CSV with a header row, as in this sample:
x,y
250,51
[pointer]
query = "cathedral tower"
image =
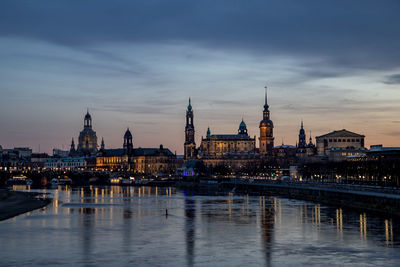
x,y
302,137
190,144
266,131
128,143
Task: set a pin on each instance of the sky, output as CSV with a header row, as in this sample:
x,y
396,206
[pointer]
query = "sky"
x,y
333,64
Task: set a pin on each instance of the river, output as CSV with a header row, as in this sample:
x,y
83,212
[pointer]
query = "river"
x,y
121,226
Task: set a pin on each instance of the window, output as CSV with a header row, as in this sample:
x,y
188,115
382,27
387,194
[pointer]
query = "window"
x,y
339,140
352,140
348,140
330,140
357,140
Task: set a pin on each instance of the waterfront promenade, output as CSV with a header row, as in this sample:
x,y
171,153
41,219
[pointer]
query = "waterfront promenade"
x,y
372,198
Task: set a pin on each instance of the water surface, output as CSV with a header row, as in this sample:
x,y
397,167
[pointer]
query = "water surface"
x,y
120,226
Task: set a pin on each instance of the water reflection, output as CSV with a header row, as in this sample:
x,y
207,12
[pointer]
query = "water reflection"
x,y
190,226
267,226
130,222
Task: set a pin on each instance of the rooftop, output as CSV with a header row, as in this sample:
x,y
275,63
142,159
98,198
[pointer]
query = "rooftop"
x,y
341,133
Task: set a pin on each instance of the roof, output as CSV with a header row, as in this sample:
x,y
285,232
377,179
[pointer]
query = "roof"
x,y
380,148
112,152
341,133
230,136
151,151
285,146
118,152
69,159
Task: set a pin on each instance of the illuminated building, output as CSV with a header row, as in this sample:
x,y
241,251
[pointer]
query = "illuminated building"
x,y
339,145
149,161
228,149
266,131
65,163
234,151
119,158
190,144
155,161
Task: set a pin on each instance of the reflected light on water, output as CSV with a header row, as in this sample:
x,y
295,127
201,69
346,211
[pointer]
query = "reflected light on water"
x,y
84,226
363,226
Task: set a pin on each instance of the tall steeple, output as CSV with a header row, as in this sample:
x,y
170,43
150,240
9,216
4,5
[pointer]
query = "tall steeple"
x,y
190,144
266,107
266,131
72,145
302,136
128,142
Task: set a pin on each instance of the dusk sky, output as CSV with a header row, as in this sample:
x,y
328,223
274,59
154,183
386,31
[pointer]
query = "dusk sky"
x,y
334,64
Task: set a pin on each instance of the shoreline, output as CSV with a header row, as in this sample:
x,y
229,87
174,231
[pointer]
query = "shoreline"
x,y
14,203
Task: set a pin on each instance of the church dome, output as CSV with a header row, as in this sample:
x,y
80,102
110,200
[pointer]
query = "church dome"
x,y
242,128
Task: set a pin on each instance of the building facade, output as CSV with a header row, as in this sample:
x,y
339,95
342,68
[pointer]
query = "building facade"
x,y
146,161
222,145
339,145
232,150
154,161
65,163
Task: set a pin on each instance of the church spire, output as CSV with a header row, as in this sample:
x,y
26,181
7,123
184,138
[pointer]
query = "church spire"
x,y
102,143
266,98
72,144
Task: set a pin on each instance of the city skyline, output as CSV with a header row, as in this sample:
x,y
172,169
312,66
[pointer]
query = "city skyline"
x,y
198,136
333,65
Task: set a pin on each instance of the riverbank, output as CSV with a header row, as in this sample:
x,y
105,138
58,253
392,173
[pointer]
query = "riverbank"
x,y
385,201
13,203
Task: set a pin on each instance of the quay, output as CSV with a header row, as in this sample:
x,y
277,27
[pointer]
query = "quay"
x,y
384,200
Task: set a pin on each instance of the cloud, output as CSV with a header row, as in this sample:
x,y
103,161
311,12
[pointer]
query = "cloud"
x,y
392,79
139,61
343,33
